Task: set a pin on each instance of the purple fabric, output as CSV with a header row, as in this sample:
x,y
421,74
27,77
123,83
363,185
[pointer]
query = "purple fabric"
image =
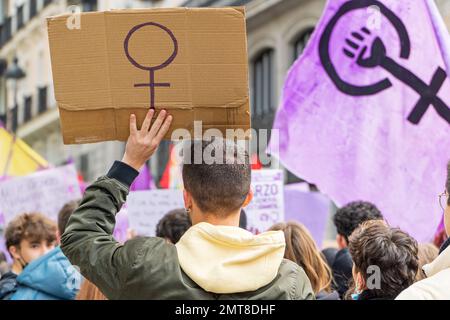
x,y
122,225
309,208
144,180
357,144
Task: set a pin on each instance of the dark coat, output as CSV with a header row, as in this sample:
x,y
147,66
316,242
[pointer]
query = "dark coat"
x,y
8,285
342,271
147,267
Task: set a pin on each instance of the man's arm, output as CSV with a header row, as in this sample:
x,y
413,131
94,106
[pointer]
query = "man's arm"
x,y
88,240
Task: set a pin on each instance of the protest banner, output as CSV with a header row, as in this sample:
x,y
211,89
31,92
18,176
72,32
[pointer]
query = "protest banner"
x,y
44,191
267,206
365,110
146,208
191,61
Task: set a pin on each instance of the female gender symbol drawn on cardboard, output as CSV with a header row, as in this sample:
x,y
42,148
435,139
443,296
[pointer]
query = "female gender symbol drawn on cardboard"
x,y
151,69
378,58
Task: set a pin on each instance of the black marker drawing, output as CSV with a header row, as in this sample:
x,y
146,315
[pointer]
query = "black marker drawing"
x,y
355,48
151,84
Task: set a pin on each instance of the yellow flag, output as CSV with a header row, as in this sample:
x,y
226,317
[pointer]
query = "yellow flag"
x,y
22,159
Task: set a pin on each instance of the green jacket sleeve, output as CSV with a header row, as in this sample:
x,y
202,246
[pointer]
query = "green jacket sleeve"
x,y
88,242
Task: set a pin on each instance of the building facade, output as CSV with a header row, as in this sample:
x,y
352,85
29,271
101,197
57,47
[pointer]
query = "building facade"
x,y
33,112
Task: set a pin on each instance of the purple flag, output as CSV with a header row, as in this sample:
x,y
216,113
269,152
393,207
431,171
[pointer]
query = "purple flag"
x,y
144,181
310,208
365,111
122,225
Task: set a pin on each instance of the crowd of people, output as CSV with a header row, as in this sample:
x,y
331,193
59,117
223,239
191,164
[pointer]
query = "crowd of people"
x,y
203,251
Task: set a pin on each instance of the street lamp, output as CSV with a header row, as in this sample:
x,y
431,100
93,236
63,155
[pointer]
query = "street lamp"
x,y
14,73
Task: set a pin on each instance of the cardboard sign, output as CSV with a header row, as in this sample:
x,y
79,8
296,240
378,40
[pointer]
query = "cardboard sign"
x,y
45,192
146,208
267,206
190,61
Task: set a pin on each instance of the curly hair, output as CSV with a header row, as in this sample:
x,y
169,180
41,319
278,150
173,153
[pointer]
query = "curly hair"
x,y
393,251
173,225
31,227
350,216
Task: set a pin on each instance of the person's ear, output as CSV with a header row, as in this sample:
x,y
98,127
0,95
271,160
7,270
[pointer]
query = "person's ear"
x,y
341,242
248,199
187,199
58,237
447,220
14,252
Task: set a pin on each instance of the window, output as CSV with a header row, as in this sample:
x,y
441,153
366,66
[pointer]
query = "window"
x,y
4,5
298,47
20,19
89,5
42,102
301,42
6,36
262,93
27,106
33,8
2,34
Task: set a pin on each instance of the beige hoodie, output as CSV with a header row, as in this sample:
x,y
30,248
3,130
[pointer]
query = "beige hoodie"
x,y
225,259
437,284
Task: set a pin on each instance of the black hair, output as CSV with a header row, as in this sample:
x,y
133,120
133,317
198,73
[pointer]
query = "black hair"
x,y
350,216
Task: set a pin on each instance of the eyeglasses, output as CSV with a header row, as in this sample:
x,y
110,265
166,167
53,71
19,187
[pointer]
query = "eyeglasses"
x,y
443,200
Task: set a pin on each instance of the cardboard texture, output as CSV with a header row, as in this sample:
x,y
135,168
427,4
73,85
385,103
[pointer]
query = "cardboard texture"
x,y
191,62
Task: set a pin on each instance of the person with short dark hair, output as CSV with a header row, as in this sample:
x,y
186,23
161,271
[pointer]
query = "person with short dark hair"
x,y
65,213
436,285
214,259
385,261
173,225
40,271
346,220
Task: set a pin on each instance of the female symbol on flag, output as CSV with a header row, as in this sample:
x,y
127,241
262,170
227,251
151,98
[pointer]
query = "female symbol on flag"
x,y
355,48
151,69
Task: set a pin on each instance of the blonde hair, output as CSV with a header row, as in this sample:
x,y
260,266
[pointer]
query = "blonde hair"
x,y
302,249
427,253
89,291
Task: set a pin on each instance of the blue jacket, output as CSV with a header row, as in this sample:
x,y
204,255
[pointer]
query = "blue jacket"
x,y
50,277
